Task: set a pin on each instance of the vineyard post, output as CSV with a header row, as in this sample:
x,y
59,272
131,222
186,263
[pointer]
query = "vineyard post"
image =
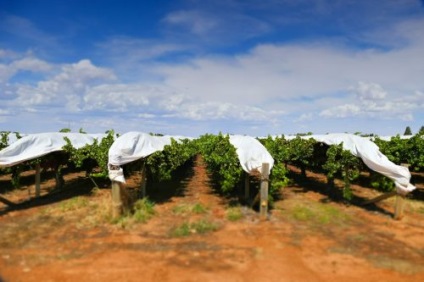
x,y
143,181
400,201
37,180
264,191
116,199
246,186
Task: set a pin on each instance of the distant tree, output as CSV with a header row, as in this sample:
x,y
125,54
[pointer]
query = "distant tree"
x,y
422,129
408,131
65,130
81,130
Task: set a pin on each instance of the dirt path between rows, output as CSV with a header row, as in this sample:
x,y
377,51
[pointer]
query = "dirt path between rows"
x,y
307,238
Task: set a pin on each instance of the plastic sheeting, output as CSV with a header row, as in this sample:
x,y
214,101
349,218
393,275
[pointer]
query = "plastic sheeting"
x,y
369,152
36,145
251,153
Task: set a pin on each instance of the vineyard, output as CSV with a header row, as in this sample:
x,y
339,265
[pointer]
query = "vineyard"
x,y
180,195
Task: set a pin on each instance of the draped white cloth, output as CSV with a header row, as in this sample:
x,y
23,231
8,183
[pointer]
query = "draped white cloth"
x,y
369,152
132,146
33,146
251,153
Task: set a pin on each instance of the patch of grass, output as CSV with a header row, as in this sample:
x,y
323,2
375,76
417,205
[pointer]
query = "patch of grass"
x,y
181,230
234,213
97,213
319,213
302,213
201,226
73,204
199,209
144,209
186,209
414,206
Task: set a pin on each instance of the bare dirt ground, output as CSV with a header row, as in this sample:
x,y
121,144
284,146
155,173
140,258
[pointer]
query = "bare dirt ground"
x,y
69,235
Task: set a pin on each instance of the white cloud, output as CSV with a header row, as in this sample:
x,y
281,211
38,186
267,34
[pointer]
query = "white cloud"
x,y
197,22
118,97
216,111
70,83
305,117
215,24
369,91
341,111
297,81
24,28
4,112
134,50
374,101
32,64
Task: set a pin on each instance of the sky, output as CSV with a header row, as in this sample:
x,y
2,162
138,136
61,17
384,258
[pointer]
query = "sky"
x,y
191,67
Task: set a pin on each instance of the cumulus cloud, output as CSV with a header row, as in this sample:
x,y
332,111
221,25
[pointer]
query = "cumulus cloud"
x,y
117,97
216,111
341,111
70,83
31,64
293,81
369,91
372,100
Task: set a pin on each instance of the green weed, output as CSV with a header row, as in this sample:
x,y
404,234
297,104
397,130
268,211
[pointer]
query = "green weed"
x,y
199,227
186,209
234,213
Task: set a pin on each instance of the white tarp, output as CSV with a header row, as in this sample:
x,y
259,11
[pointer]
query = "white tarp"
x,y
132,146
33,146
251,153
13,136
369,152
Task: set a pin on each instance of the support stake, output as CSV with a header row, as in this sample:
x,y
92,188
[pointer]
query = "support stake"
x,y
264,191
246,187
399,204
117,209
37,180
143,180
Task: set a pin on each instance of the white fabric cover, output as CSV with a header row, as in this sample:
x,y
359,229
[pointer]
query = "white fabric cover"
x,y
130,147
33,146
251,153
369,152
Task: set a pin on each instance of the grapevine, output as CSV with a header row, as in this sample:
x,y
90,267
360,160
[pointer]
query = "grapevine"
x,y
161,164
221,160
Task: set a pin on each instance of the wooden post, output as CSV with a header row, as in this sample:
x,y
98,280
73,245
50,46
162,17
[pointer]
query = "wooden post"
x,y
117,209
246,187
264,191
400,201
37,180
143,181
59,177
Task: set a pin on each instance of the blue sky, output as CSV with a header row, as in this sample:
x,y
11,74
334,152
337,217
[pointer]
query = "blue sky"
x,y
188,67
